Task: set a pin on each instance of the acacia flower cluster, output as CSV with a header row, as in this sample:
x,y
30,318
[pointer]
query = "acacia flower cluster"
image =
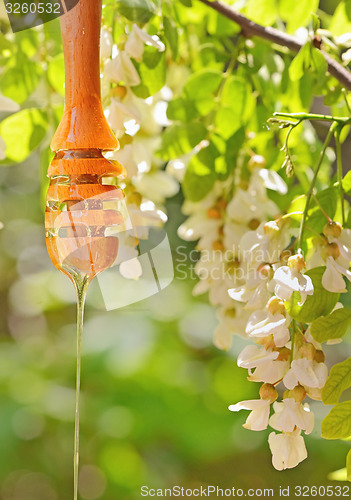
x,y
252,271
286,355
220,222
138,124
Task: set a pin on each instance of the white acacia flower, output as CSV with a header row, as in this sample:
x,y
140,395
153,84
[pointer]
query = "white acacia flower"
x,y
264,245
254,292
289,280
232,321
259,416
252,356
233,232
120,69
222,337
290,414
271,180
271,373
344,243
134,46
131,269
306,372
106,43
121,111
264,323
157,185
245,206
267,368
332,279
288,449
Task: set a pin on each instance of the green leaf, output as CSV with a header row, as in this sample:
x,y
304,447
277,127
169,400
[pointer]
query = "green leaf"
x,y
221,26
232,113
300,63
201,88
171,35
341,20
200,176
262,11
152,72
181,109
137,11
233,147
346,183
56,74
297,14
321,303
179,140
337,425
328,200
333,326
348,465
338,381
20,79
319,65
22,133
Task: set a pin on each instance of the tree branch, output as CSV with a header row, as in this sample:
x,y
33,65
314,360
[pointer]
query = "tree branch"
x,y
249,28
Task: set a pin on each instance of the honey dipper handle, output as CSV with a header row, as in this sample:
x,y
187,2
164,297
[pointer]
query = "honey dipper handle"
x,y
83,125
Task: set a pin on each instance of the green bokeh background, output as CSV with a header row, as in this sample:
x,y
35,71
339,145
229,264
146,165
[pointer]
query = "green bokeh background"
x,y
155,391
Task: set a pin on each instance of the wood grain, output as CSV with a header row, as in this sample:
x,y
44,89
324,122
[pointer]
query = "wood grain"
x,y
83,125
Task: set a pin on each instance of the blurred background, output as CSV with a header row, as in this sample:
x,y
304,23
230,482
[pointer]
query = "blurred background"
x,y
155,391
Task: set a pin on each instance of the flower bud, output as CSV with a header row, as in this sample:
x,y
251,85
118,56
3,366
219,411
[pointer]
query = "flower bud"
x,y
119,91
284,354
253,224
244,185
135,198
268,392
319,356
276,305
297,262
256,161
230,313
298,393
307,351
267,342
332,229
330,250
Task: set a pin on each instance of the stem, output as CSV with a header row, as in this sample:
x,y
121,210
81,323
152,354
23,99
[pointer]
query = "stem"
x,y
339,172
249,28
314,116
81,285
313,182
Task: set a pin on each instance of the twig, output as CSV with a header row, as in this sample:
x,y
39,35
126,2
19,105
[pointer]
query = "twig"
x,y
339,172
249,28
313,182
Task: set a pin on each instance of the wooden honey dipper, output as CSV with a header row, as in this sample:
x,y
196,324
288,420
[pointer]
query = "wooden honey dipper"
x,y
82,207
